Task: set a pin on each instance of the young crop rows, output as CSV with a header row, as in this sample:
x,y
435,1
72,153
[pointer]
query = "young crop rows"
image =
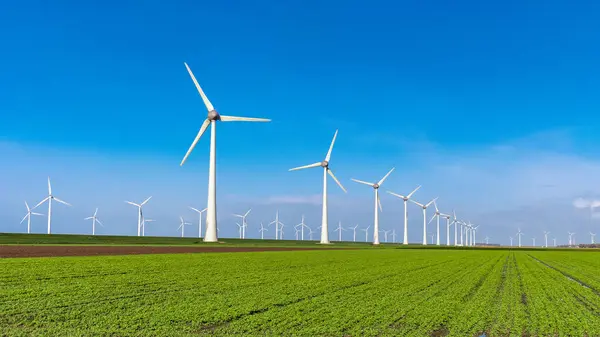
x,y
384,292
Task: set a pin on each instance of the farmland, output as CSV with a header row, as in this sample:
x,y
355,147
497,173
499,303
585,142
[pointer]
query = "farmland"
x,y
366,292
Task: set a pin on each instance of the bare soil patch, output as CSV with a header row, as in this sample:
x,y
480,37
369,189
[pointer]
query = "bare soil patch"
x,y
50,251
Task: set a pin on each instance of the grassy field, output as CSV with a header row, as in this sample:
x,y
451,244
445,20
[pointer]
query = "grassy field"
x,y
389,292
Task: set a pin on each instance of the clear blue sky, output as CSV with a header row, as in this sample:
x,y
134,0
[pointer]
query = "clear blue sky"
x,y
106,78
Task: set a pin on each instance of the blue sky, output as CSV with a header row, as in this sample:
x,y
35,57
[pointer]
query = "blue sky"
x,y
480,102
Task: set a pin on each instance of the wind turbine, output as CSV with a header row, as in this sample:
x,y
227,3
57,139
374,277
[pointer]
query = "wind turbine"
x,y
474,235
432,235
455,222
405,199
448,224
437,215
339,229
94,219
326,170
424,207
554,239
511,241
144,220
533,239
182,226
262,231
139,206
354,233
593,235
239,229
377,203
244,223
200,220
366,233
519,234
487,240
277,223
546,238
393,236
211,119
49,198
310,233
28,217
571,238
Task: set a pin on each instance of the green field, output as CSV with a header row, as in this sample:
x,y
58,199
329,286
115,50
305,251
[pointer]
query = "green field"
x,y
388,292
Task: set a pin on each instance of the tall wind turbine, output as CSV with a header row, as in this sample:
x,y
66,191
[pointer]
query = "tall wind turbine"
x,y
326,170
94,219
340,229
182,226
405,198
593,235
448,224
377,203
244,223
546,239
49,198
211,119
455,222
519,234
437,215
366,233
354,233
200,220
144,220
140,215
28,217
276,222
424,207
262,231
302,225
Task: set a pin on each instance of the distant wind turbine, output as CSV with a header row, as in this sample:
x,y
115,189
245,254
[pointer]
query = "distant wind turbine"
x,y
244,223
593,235
200,219
340,229
377,203
262,231
140,214
511,241
182,226
276,222
487,240
49,198
144,220
393,236
354,233
437,215
211,119
546,239
28,217
94,219
326,170
533,239
424,207
366,233
519,234
405,199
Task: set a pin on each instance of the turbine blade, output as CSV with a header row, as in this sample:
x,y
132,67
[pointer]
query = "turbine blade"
x,y
27,205
328,156
202,129
49,187
145,201
336,180
362,182
432,201
416,202
430,220
100,223
435,204
194,209
36,213
396,194
41,202
62,202
89,217
379,203
25,217
132,203
305,166
385,177
413,192
243,119
207,103
245,215
96,212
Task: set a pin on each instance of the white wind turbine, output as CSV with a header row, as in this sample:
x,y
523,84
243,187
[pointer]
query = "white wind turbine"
x,y
474,235
200,220
511,241
302,225
140,215
533,239
519,234
405,199
366,233
49,198
276,222
310,233
393,236
144,220
546,239
244,223
487,240
239,229
354,233
28,217
340,229
432,235
211,119
424,207
437,215
94,219
571,238
377,203
554,239
182,226
448,224
262,231
326,170
385,236
593,235
455,222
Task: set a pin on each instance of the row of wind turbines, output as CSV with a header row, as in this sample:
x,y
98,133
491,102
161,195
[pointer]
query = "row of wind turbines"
x,y
571,239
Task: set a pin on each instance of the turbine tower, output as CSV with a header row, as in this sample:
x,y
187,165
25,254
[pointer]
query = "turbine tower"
x,y
437,215
571,239
276,222
424,207
519,234
211,119
366,233
340,229
511,241
448,224
200,220
94,219
244,223
262,231
326,170
144,220
49,198
593,235
140,215
354,233
405,199
546,239
377,203
28,217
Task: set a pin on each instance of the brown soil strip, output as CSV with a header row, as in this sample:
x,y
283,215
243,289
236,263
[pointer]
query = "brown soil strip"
x,y
51,251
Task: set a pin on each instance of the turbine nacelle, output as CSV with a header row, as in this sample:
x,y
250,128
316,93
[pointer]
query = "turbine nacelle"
x,y
376,186
325,164
213,115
